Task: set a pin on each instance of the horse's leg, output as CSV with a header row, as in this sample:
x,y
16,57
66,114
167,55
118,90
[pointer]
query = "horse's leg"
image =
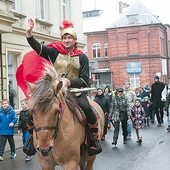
x,y
90,162
82,162
72,165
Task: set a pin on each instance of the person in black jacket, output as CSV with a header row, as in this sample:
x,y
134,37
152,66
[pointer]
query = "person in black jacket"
x,y
23,123
104,103
72,65
157,105
108,94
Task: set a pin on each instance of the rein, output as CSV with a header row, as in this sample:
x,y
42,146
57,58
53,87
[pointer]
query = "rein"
x,y
55,128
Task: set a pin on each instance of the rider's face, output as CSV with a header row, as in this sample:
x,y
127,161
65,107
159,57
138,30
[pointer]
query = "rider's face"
x,y
68,41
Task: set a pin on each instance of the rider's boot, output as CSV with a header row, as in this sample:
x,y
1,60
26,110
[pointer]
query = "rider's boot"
x,y
95,146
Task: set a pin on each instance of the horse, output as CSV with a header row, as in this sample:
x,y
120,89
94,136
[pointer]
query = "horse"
x,y
59,132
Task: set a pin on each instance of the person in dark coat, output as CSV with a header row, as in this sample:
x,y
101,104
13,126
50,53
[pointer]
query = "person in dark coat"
x,y
104,103
108,94
157,104
119,113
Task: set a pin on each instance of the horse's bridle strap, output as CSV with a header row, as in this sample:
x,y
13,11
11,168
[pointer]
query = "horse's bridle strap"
x,y
37,129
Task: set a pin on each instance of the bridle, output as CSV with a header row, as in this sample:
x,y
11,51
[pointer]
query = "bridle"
x,y
55,128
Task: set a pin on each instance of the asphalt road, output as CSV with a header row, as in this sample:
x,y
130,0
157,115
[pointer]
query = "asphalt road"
x,y
153,154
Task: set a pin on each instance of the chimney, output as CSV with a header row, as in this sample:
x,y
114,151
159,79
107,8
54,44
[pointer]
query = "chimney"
x,y
120,7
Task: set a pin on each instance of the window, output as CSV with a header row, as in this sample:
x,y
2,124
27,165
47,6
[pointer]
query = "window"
x,y
96,50
106,50
132,19
17,5
162,47
164,67
12,84
65,9
134,80
43,9
97,79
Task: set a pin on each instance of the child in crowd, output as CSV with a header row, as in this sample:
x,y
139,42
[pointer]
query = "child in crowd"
x,y
137,114
22,125
8,119
147,108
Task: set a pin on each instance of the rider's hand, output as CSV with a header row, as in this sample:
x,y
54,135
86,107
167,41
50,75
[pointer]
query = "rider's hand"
x,y
66,82
29,28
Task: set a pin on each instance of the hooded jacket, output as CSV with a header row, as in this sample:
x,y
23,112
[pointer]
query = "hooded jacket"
x,y
7,116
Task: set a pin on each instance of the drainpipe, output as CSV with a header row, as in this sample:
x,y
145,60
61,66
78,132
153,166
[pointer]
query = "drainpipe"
x,y
167,54
1,64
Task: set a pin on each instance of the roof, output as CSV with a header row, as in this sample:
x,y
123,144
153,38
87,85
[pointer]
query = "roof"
x,y
135,14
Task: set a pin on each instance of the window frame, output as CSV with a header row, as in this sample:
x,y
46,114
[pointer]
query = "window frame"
x,y
43,10
134,80
65,9
18,6
96,49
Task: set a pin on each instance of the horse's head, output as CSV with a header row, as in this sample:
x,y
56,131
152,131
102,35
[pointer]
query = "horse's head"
x,y
46,104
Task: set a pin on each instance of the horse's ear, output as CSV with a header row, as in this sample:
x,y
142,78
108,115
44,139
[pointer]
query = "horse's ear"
x,y
31,86
58,87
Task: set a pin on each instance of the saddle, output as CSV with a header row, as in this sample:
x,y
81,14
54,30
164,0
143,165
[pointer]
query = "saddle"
x,y
89,139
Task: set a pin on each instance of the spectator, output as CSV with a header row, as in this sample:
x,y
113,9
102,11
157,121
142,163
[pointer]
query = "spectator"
x,y
8,119
166,98
147,108
147,91
22,124
108,94
131,96
12,94
137,114
157,104
119,113
104,103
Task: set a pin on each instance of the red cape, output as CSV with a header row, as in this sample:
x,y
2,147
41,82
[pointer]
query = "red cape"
x,y
59,46
33,65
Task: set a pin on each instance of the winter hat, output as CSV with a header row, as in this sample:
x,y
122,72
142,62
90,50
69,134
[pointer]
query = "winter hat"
x,y
156,77
119,89
67,28
146,98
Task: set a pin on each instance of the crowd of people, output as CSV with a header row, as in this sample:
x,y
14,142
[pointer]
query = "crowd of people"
x,y
134,108
122,106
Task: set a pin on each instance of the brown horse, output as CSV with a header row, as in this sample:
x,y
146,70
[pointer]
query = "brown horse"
x,y
58,132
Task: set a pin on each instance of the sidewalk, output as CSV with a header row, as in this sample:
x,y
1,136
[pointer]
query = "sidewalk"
x,y
18,143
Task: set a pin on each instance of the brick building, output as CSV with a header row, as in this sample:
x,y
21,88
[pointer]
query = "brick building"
x,y
135,47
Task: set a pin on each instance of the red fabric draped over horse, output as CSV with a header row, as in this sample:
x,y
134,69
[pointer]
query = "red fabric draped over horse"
x,y
58,131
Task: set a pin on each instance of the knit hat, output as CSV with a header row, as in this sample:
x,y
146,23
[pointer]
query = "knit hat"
x,y
119,89
67,28
156,77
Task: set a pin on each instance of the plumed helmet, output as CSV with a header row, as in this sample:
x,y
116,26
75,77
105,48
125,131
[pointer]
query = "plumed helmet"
x,y
67,28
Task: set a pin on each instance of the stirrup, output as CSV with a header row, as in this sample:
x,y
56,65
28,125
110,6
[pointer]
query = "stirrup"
x,y
96,148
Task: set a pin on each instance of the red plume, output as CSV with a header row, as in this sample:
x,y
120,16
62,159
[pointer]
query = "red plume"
x,y
66,24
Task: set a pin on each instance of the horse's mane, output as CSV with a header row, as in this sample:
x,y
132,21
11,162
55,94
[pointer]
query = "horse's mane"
x,y
41,98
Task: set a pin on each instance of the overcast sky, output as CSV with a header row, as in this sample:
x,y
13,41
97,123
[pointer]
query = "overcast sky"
x,y
156,7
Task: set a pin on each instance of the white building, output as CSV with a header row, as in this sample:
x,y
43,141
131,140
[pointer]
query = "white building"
x,y
48,15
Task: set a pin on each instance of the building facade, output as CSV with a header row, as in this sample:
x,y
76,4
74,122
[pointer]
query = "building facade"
x,y
48,15
135,47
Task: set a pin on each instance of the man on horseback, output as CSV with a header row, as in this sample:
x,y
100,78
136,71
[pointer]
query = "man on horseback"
x,y
72,65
